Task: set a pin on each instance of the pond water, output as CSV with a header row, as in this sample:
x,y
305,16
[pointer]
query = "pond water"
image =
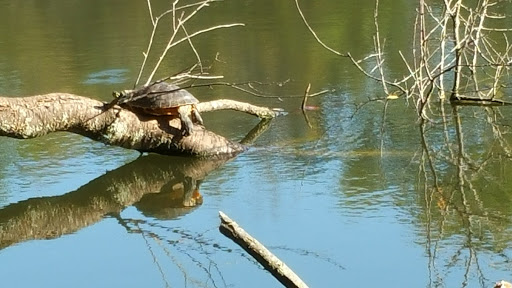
x,y
349,199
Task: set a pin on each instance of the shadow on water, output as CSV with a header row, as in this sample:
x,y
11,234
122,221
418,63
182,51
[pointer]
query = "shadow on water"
x,y
158,186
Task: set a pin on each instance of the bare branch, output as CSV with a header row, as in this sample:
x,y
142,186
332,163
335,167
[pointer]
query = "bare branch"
x,y
192,47
313,31
172,44
178,24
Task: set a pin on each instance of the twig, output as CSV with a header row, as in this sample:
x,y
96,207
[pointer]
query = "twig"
x,y
275,266
193,47
378,48
313,31
305,100
178,23
154,22
173,43
251,92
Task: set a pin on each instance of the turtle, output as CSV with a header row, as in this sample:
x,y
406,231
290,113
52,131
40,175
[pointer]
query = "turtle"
x,y
160,99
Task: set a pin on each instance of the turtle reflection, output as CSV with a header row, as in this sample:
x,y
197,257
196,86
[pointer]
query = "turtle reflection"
x,y
174,199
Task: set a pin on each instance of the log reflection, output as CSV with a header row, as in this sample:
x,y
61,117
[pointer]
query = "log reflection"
x,y
172,182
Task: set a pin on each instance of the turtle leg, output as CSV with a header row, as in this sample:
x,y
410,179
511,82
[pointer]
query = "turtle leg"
x,y
186,122
197,116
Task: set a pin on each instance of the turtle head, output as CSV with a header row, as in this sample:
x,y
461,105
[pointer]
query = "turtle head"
x,y
119,94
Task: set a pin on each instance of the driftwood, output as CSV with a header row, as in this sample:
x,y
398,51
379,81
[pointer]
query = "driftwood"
x,y
275,266
35,116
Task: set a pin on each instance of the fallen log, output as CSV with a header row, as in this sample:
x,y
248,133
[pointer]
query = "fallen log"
x,y
275,266
35,116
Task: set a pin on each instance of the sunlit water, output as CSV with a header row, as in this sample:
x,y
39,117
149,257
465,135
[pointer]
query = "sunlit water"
x,y
343,202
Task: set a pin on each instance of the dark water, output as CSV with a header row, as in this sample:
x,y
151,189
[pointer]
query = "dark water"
x,y
354,200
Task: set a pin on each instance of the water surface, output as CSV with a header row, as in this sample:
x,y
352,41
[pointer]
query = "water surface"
x,y
351,198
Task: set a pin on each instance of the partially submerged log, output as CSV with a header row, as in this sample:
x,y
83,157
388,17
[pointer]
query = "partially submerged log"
x,y
35,116
275,266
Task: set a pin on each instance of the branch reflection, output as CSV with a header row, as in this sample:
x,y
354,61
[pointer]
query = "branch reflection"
x,y
463,216
160,186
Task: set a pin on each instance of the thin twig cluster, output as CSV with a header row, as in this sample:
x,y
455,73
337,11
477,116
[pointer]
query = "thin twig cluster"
x,y
180,15
458,50
454,52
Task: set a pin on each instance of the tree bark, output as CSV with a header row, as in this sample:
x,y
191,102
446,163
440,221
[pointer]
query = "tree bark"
x,y
35,116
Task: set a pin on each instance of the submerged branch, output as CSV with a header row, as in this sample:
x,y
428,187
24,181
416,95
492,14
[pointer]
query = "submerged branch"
x,y
275,266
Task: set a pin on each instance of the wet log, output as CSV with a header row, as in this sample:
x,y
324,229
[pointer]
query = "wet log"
x,y
35,116
275,266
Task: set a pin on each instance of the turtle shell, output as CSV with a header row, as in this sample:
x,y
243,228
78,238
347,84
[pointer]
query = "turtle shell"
x,y
158,99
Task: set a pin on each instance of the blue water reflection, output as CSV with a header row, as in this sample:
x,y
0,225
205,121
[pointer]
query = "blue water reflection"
x,y
109,76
